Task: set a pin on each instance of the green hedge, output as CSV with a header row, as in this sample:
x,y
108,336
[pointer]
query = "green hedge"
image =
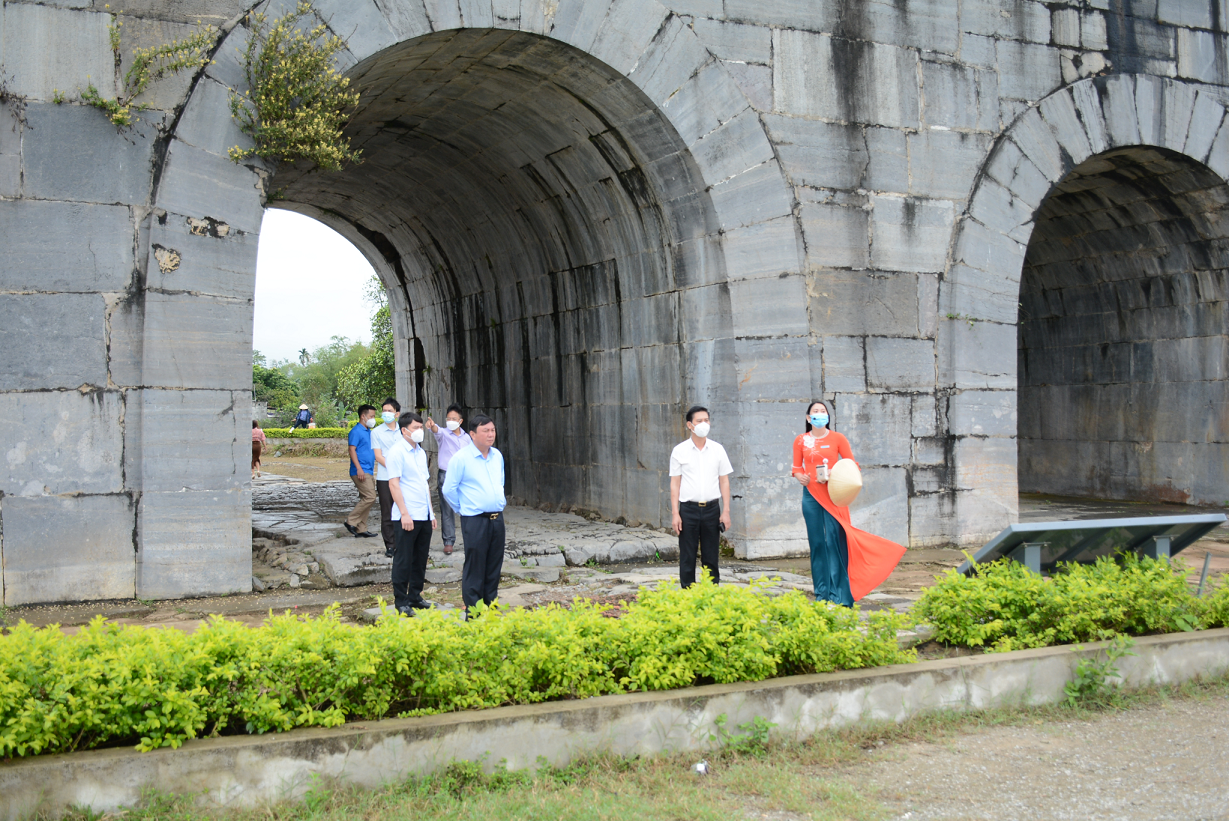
x,y
1003,606
110,684
307,433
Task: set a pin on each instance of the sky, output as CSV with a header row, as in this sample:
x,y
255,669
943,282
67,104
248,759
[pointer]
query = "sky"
x,y
309,287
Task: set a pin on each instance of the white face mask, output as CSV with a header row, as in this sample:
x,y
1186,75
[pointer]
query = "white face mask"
x,y
701,429
452,425
416,435
371,423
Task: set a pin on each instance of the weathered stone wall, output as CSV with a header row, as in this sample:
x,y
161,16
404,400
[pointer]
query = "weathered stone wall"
x,y
589,216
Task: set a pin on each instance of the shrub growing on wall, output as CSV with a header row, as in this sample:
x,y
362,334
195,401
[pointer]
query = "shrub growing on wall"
x,y
296,103
149,65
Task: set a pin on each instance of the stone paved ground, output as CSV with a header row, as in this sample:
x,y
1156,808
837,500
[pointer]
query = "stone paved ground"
x,y
536,572
1168,761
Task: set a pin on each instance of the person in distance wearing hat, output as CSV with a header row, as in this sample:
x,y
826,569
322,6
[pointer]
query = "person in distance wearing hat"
x,y
303,418
846,563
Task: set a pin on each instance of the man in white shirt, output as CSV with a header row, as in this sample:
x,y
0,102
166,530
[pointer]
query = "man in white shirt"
x,y
699,497
413,518
383,437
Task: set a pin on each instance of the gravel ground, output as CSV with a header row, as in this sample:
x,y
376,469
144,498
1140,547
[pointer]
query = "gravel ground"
x,y
1168,761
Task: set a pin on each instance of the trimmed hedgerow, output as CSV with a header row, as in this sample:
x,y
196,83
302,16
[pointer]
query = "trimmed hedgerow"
x,y
111,684
1003,606
307,433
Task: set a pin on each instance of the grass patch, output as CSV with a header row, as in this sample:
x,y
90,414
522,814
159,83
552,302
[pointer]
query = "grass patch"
x,y
812,778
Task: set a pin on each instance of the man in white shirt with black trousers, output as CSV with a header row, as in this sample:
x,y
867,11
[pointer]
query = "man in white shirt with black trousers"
x,y
405,465
699,497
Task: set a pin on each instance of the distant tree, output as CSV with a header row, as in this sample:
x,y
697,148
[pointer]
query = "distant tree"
x,y
304,356
273,386
374,378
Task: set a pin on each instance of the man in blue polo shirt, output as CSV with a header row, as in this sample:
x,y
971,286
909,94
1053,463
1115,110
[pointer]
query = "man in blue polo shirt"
x,y
362,471
474,488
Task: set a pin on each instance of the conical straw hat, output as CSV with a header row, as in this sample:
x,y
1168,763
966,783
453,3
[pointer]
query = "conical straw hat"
x,y
844,482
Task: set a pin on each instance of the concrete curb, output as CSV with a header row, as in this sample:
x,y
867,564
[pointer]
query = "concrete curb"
x,y
252,770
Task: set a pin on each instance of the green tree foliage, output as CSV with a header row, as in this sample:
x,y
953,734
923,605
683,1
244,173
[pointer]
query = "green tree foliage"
x,y
296,103
374,378
272,385
312,380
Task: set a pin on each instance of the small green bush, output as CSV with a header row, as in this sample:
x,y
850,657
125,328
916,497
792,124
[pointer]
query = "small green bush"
x,y
307,433
1216,605
112,684
1003,606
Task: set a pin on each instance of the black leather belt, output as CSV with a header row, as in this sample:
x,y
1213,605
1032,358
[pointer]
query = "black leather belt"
x,y
483,516
702,504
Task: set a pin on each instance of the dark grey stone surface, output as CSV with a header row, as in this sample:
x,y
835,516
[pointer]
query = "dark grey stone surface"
x,y
194,543
75,154
41,241
62,442
53,341
68,548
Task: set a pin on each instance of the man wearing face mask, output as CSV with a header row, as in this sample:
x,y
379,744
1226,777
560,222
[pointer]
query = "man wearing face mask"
x,y
449,441
413,519
475,489
383,437
699,497
362,465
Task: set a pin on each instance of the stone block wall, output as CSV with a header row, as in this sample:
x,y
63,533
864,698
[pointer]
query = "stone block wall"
x,y
589,216
122,473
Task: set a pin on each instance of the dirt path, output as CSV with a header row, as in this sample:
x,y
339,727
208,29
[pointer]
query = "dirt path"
x,y
1168,761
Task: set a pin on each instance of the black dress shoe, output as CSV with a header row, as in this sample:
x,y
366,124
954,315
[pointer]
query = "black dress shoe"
x,y
406,610
353,530
388,551
421,604
367,534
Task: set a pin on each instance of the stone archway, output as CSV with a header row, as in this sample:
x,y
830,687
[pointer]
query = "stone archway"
x,y
1046,182
626,226
541,223
1124,333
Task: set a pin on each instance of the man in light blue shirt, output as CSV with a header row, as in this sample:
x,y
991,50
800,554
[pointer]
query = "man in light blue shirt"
x,y
474,488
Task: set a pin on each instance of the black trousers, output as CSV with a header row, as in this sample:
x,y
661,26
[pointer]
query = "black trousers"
x,y
410,562
484,557
386,514
701,527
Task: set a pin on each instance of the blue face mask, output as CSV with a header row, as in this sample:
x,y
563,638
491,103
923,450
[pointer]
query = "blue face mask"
x,y
819,420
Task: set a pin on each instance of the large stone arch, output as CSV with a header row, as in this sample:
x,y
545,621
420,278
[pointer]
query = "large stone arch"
x,y
647,315
1091,127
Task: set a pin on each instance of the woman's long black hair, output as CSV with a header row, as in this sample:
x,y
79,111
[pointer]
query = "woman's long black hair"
x,y
827,408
